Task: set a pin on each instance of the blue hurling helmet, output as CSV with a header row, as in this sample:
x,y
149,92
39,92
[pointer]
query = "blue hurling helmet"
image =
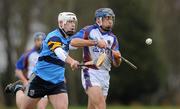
x,y
103,12
39,35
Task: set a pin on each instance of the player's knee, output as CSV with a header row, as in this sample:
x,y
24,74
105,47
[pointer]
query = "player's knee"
x,y
63,106
41,107
26,107
100,104
99,100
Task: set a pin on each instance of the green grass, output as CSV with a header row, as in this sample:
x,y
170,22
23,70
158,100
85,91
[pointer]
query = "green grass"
x,y
132,107
119,107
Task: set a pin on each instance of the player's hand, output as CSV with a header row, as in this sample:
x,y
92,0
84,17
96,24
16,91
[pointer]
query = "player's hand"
x,y
116,58
89,63
74,64
116,54
102,44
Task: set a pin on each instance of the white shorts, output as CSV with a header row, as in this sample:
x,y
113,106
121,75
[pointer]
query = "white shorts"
x,y
91,77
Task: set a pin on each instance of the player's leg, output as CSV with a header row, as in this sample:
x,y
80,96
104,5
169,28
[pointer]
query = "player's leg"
x,y
19,97
96,98
28,103
25,102
34,92
59,101
22,101
42,103
90,105
105,97
57,95
17,89
96,84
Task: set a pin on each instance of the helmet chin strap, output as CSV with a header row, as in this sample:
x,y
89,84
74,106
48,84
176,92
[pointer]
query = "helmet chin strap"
x,y
62,28
68,33
100,25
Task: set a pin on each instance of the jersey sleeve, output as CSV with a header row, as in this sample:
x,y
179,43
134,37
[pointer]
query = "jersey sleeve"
x,y
115,45
79,34
20,64
83,33
54,42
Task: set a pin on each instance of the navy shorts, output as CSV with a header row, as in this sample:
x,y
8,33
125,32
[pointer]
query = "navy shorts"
x,y
38,88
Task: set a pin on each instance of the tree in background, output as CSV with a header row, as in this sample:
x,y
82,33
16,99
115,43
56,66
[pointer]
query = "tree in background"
x,y
132,28
166,30
8,49
15,21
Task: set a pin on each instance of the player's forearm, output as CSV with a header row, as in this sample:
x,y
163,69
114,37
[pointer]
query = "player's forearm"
x,y
77,42
69,60
62,55
116,58
21,76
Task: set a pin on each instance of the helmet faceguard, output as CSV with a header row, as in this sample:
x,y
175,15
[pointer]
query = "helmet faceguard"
x,y
65,17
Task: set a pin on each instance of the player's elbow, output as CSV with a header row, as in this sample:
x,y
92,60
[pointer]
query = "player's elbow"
x,y
74,42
